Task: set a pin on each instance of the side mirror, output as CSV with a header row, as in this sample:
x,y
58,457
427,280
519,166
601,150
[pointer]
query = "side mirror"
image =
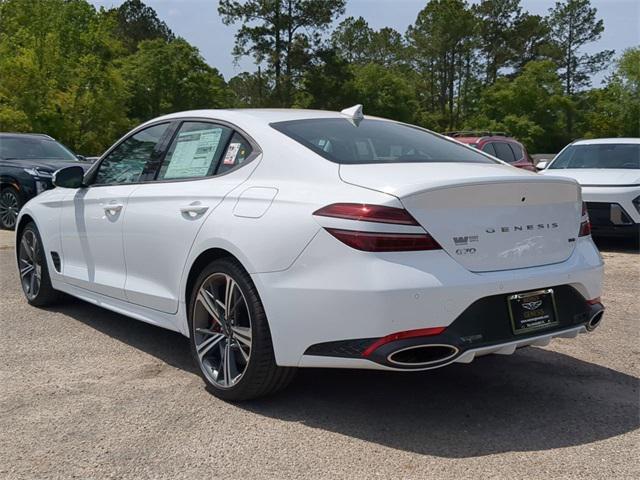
x,y
69,177
542,164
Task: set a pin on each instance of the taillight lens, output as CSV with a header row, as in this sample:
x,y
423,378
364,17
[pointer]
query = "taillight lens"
x,y
369,241
385,242
367,213
585,224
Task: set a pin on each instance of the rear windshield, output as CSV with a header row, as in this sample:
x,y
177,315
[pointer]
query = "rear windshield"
x,y
375,141
606,155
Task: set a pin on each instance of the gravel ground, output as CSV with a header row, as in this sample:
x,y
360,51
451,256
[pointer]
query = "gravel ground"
x,y
85,393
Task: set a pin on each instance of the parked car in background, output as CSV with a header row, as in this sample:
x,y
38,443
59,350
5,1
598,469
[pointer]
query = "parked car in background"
x,y
277,239
499,145
609,171
27,163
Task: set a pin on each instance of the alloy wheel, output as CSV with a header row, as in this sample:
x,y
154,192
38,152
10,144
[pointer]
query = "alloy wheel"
x,y
29,264
8,209
222,330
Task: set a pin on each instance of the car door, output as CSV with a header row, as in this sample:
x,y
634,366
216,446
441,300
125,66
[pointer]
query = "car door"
x,y
92,217
201,166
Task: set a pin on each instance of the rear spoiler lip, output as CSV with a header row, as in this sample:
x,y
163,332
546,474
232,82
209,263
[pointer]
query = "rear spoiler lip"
x,y
403,191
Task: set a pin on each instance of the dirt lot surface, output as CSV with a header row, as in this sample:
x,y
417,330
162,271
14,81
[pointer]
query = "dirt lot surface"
x,y
85,393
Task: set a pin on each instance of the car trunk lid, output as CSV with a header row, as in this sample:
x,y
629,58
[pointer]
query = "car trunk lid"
x,y
487,217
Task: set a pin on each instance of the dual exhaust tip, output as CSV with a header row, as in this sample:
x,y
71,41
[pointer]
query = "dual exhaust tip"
x,y
432,354
595,320
423,355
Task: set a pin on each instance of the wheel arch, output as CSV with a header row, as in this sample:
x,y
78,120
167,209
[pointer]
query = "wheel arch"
x,y
24,219
201,261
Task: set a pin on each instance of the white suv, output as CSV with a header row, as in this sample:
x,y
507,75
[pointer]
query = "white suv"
x,y
608,169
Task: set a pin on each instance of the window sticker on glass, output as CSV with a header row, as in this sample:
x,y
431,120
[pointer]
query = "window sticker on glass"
x,y
193,153
232,153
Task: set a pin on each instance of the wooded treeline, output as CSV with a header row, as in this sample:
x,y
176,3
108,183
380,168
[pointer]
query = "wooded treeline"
x,y
87,75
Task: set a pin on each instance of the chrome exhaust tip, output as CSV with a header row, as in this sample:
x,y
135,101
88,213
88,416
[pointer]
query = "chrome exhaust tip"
x,y
595,320
422,355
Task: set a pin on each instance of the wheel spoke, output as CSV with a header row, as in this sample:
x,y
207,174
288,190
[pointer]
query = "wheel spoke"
x,y
207,301
242,334
224,348
227,364
32,284
26,270
208,344
26,247
245,355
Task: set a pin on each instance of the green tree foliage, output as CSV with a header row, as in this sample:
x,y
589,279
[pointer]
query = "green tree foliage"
x,y
529,106
85,76
280,34
57,72
573,25
136,22
442,52
614,110
164,77
356,42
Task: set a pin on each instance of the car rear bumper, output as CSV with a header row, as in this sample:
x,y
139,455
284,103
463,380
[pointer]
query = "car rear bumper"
x,y
333,293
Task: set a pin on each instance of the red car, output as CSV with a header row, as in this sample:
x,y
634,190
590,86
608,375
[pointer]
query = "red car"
x,y
499,145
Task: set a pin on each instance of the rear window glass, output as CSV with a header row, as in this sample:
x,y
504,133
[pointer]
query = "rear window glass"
x,y
375,141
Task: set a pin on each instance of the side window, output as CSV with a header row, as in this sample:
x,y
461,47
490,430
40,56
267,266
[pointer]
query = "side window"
x,y
517,150
195,151
504,152
126,163
236,154
488,148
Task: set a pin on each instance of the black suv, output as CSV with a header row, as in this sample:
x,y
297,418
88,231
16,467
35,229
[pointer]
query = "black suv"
x,y
27,163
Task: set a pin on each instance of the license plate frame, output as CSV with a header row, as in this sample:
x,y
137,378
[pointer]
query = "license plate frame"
x,y
533,317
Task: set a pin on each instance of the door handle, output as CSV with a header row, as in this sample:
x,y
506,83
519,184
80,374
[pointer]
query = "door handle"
x,y
112,208
194,211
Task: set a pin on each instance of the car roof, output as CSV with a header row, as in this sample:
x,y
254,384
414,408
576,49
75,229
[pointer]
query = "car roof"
x,y
493,138
261,115
28,135
605,141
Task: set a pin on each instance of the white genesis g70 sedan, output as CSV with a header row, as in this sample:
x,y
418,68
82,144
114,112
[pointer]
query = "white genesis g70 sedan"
x,y
277,239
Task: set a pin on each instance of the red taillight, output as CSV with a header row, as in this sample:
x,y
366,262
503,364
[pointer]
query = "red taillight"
x,y
585,229
422,332
594,301
385,242
585,224
367,213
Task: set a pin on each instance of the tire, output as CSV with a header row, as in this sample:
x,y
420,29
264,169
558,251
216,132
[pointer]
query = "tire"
x,y
34,272
234,355
10,205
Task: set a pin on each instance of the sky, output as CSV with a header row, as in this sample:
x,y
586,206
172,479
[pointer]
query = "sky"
x,y
198,22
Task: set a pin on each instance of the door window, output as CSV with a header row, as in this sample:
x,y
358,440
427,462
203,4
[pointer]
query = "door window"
x,y
517,150
504,152
195,151
126,163
236,153
488,148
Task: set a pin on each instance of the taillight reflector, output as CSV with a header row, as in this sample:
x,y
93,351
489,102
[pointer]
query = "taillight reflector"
x,y
385,242
367,213
422,332
585,228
